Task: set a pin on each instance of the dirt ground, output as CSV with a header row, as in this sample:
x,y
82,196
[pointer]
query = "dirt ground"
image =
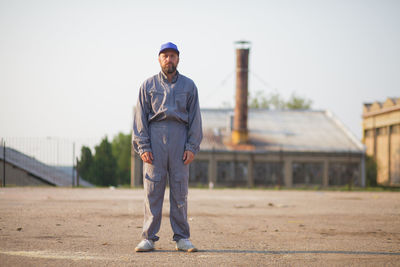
x,y
235,227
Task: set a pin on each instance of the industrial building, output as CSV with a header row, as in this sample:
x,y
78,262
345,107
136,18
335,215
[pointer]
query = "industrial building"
x,y
286,148
381,135
261,147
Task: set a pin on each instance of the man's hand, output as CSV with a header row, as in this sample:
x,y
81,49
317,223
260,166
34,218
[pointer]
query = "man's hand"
x,y
188,156
147,157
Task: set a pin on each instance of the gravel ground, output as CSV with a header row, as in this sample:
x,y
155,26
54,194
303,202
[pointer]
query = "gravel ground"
x,y
235,227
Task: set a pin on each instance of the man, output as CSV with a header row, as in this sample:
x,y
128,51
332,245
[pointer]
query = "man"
x,y
167,133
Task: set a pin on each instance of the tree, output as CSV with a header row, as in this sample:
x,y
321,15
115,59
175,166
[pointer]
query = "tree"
x,y
85,165
276,101
121,150
258,101
110,164
296,102
104,164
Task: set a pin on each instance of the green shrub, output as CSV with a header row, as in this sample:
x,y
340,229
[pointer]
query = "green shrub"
x,y
371,170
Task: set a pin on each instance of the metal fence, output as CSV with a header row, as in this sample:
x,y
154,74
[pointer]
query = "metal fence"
x,y
37,161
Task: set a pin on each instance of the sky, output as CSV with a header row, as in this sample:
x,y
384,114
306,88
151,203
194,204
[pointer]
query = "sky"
x,y
72,69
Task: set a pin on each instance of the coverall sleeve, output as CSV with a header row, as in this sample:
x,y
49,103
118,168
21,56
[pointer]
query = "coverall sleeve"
x,y
195,131
141,136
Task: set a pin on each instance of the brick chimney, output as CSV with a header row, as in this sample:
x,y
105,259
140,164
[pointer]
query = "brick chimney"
x,y
240,132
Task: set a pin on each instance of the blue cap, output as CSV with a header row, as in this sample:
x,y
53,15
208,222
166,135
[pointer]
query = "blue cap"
x,y
168,45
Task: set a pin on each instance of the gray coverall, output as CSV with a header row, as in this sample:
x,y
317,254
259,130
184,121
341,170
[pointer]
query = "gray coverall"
x,y
167,122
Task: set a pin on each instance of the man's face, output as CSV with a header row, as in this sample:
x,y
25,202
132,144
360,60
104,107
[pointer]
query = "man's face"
x,y
169,60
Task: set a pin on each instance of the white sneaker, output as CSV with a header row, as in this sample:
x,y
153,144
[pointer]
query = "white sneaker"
x,y
185,245
145,245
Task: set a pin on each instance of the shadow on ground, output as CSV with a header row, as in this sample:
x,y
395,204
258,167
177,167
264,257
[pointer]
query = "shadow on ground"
x,y
281,252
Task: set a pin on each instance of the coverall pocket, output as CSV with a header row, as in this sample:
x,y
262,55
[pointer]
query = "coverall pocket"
x,y
181,101
157,99
151,173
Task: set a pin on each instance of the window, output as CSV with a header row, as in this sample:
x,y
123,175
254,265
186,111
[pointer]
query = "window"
x,y
395,129
198,172
268,173
307,173
232,173
343,173
381,131
368,133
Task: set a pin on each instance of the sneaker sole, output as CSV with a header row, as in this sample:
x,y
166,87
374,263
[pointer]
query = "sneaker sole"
x,y
143,249
187,250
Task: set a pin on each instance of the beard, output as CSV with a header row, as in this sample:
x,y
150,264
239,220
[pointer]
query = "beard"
x,y
169,69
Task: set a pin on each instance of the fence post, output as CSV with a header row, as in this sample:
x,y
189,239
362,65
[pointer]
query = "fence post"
x,y
77,172
73,164
4,163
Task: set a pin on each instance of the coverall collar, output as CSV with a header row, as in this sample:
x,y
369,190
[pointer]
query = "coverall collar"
x,y
164,77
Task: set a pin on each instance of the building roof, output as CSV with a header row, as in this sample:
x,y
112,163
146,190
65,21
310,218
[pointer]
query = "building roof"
x,y
377,108
280,130
50,174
